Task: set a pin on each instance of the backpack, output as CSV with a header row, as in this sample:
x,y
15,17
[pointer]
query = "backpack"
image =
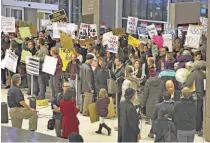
x,y
170,135
51,124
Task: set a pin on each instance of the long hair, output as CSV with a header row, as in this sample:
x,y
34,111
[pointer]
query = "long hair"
x,y
103,93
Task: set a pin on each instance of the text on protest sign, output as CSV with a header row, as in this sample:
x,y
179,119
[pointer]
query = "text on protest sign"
x,y
32,65
87,31
132,25
58,16
49,65
113,44
65,55
8,24
152,30
11,61
204,22
167,38
133,41
193,36
106,37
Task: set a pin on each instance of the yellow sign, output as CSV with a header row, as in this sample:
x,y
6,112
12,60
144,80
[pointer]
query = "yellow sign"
x,y
25,32
133,41
65,55
33,30
118,31
24,54
66,41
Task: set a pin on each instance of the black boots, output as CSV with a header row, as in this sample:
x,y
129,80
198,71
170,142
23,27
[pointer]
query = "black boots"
x,y
106,127
99,129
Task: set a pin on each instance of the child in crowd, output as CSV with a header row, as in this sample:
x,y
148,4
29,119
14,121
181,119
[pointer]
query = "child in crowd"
x,y
102,110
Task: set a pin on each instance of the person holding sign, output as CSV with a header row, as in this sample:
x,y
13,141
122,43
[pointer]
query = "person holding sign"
x,y
55,79
41,53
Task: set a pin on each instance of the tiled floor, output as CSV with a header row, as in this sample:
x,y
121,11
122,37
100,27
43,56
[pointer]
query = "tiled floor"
x,y
87,130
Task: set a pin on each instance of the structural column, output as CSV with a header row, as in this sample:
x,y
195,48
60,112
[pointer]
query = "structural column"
x,y
207,98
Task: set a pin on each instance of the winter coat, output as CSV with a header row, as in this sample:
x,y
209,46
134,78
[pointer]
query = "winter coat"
x,y
70,122
86,78
198,77
130,82
102,106
182,59
75,71
128,128
153,92
101,79
164,130
59,66
119,74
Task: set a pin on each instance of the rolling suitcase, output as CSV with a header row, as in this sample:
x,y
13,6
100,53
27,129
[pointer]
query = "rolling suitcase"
x,y
4,113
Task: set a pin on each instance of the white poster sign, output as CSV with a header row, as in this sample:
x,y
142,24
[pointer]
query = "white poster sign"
x,y
106,37
49,65
32,65
68,28
193,36
152,30
113,44
87,31
204,22
8,24
47,23
168,41
132,25
11,61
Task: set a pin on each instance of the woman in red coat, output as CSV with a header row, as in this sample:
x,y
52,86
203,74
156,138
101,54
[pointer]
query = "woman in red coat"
x,y
70,123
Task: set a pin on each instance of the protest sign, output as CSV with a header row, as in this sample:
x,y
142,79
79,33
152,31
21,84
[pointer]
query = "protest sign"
x,y
11,61
132,25
152,30
49,65
33,30
113,44
167,38
106,37
168,28
204,22
66,41
32,65
142,30
68,28
65,55
47,23
87,31
59,16
133,41
118,31
193,36
24,54
8,24
158,41
154,50
25,32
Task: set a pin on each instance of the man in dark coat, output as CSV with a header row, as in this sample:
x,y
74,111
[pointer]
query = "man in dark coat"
x,y
175,94
129,130
197,77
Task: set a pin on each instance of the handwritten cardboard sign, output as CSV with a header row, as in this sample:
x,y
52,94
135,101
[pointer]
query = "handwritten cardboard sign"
x,y
118,31
132,25
8,24
58,16
113,44
87,31
25,32
66,41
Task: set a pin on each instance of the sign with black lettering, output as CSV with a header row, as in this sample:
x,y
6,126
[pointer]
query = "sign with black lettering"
x,y
152,30
32,65
113,44
59,16
193,36
11,61
132,25
87,31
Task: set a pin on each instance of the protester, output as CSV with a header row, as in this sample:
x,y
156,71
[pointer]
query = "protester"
x,y
164,128
41,53
128,119
161,59
73,69
184,114
196,79
69,111
87,83
153,90
102,110
19,109
175,94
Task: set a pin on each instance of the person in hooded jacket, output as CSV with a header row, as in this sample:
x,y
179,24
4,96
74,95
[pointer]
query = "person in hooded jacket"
x,y
153,92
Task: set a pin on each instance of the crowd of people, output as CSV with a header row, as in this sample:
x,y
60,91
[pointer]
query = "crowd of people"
x,y
147,85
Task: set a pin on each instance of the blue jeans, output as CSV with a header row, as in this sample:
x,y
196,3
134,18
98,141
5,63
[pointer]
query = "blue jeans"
x,y
186,136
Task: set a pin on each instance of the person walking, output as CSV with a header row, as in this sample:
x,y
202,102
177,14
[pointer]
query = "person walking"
x,y
87,83
128,130
184,115
19,109
102,110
